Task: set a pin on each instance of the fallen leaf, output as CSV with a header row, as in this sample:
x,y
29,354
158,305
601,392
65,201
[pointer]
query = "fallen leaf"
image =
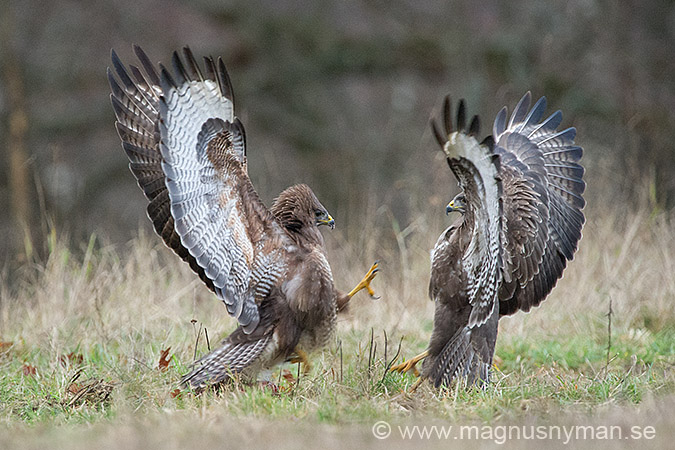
x,y
273,388
288,376
175,393
73,388
29,370
164,359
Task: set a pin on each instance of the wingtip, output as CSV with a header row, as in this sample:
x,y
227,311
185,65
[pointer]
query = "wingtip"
x,y
116,61
179,69
138,51
521,109
499,125
461,115
474,127
224,80
166,80
109,74
447,115
438,134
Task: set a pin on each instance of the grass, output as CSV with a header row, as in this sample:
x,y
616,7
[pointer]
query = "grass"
x,y
82,334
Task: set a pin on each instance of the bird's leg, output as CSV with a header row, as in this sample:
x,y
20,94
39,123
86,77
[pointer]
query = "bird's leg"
x,y
405,367
343,299
365,282
301,357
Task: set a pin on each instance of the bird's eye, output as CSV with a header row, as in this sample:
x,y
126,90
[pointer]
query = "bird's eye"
x,y
318,213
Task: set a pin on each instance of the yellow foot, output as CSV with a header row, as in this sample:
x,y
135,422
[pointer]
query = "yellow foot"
x,y
301,357
365,283
407,366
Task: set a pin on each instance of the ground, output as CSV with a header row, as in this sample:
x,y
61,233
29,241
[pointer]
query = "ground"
x,y
95,339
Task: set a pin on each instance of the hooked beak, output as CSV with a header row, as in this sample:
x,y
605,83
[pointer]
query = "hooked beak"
x,y
452,207
328,220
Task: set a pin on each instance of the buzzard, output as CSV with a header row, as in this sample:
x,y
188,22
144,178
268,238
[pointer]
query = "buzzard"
x,y
187,151
520,204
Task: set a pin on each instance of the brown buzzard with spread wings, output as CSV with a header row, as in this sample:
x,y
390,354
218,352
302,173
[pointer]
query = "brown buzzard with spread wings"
x,y
521,201
188,152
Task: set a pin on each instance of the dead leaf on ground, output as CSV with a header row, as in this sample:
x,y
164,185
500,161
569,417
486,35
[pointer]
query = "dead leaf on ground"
x,y
272,387
288,376
29,370
164,359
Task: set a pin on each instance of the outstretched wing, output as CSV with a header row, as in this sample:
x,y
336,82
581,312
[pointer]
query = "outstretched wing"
x,y
476,168
542,201
187,151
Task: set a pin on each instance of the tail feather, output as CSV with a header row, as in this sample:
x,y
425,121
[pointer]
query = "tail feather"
x,y
223,363
459,358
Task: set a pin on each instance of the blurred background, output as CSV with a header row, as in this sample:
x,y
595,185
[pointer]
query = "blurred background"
x,y
337,94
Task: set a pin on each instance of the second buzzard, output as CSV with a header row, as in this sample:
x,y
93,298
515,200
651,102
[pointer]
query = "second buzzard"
x,y
521,201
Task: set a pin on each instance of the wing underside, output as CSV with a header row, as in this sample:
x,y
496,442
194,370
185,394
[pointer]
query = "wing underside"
x,y
187,151
476,168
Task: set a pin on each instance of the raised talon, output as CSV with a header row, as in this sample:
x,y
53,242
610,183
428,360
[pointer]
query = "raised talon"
x,y
365,282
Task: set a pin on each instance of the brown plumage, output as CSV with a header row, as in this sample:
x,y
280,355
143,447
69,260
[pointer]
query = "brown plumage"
x,y
187,151
521,200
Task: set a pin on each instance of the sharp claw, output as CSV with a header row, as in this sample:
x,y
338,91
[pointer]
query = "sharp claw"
x,y
400,368
411,364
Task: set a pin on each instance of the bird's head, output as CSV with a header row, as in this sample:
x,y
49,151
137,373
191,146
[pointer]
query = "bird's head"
x,y
456,204
298,208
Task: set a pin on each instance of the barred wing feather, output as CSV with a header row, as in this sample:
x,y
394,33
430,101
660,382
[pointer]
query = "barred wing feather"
x,y
541,170
187,151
